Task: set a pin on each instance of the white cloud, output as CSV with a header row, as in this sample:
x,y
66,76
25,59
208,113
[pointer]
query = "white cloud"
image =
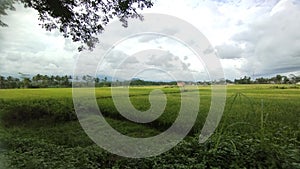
x,y
251,37
154,63
229,51
275,41
26,47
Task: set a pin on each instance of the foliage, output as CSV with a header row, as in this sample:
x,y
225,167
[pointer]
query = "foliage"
x,y
47,81
244,80
37,81
278,79
51,110
4,5
81,20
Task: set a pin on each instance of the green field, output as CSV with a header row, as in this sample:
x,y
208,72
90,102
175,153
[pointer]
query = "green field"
x,y
260,128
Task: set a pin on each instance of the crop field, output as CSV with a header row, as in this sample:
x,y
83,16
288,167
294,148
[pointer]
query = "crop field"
x,y
260,128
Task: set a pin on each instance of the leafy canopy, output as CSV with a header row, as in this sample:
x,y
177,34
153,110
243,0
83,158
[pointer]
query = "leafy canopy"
x,y
80,20
5,4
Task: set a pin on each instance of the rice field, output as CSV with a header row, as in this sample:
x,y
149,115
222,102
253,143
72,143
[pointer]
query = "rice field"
x,y
260,128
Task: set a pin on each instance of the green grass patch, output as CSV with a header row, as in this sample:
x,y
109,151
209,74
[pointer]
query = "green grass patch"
x,y
259,129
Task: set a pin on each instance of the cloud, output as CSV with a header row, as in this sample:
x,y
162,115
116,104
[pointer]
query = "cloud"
x,y
274,39
209,50
229,51
148,38
152,64
13,57
26,47
251,37
115,56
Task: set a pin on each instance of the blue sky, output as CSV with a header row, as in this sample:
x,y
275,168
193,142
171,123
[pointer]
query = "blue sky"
x,y
253,38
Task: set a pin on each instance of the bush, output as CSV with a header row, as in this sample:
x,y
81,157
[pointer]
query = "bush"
x,y
20,112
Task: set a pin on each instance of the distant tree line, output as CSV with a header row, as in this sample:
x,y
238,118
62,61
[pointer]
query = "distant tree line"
x,y
278,79
139,82
37,81
87,80
46,81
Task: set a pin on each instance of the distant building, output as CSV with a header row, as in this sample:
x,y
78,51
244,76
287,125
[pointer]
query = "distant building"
x,y
180,84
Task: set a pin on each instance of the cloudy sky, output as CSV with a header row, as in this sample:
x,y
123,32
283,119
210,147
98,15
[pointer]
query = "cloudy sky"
x,y
251,37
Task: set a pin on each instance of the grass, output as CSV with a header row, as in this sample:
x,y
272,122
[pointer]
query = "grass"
x,y
21,94
259,129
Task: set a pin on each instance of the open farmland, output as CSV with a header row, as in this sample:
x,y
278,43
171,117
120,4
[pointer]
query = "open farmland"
x,y
260,128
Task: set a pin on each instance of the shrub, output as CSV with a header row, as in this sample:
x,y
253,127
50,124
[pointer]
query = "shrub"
x,y
20,112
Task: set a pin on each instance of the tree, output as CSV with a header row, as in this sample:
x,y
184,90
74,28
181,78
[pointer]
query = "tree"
x,y
244,80
262,80
278,79
293,78
285,79
10,81
97,80
65,81
104,81
26,82
4,5
2,81
81,20
228,81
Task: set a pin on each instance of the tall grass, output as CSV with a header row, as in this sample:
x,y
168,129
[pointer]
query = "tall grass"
x,y
259,129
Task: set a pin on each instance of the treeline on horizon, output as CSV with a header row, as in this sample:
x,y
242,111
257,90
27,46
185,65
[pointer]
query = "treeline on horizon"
x,y
278,79
46,81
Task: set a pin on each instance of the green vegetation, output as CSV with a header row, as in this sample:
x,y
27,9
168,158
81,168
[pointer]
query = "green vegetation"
x,y
278,79
83,26
259,129
46,81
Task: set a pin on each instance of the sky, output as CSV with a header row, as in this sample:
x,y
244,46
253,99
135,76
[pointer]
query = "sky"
x,y
251,37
